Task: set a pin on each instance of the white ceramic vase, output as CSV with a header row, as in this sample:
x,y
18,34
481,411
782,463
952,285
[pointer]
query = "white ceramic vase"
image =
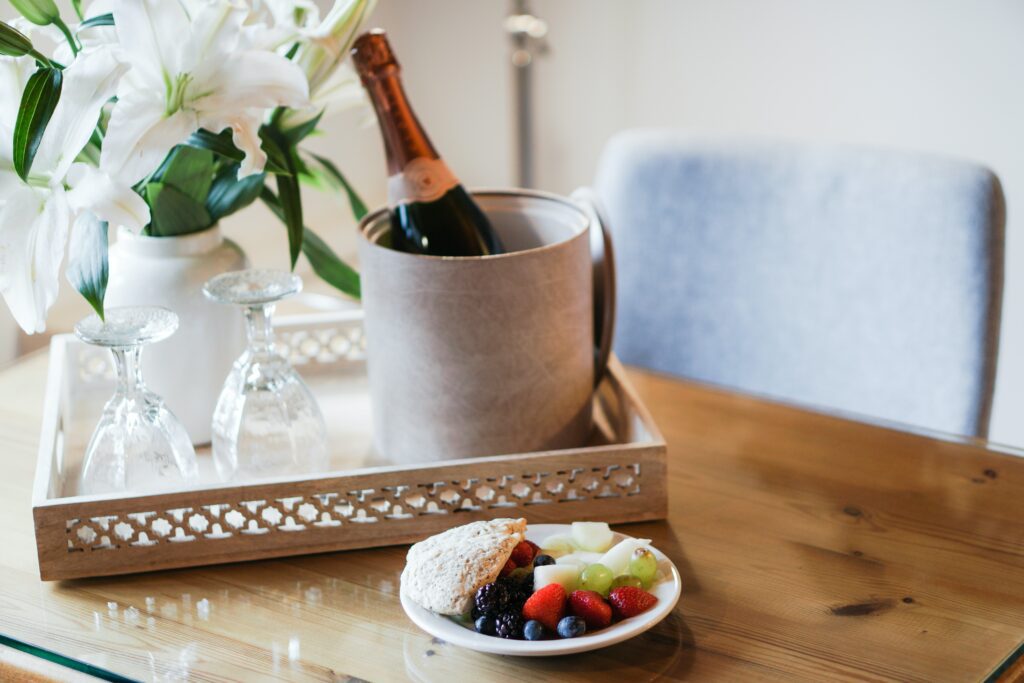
x,y
189,368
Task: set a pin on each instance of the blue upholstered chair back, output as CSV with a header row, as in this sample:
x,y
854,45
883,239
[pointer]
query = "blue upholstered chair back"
x,y
855,279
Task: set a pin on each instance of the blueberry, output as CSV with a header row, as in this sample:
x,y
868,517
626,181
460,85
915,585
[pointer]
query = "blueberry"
x,y
571,627
533,630
542,560
484,625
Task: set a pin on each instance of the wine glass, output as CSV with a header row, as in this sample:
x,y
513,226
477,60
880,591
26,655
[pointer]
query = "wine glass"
x,y
266,421
138,445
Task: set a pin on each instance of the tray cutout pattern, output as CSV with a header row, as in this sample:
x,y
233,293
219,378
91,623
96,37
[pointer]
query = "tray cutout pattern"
x,y
328,344
384,505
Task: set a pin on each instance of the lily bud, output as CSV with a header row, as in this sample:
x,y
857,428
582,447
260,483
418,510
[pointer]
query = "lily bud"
x,y
39,12
329,44
13,43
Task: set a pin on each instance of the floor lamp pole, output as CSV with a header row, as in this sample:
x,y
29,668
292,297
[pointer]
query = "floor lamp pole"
x,y
526,33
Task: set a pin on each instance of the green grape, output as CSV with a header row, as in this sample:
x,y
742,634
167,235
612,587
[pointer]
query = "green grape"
x,y
597,578
627,580
643,565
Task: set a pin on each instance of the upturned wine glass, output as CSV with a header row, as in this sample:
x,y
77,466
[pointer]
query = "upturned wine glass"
x,y
138,445
266,422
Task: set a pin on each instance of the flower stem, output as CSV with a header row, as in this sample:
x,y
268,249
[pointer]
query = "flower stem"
x,y
40,57
59,23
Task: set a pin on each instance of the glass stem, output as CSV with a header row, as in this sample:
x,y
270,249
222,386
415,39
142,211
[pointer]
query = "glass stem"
x,y
127,364
261,332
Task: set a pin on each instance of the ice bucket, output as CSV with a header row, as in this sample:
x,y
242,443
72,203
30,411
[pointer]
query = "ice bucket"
x,y
489,355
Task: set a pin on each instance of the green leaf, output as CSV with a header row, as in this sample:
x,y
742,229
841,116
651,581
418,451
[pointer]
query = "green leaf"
x,y
328,266
37,104
329,175
299,132
229,194
173,212
218,143
278,154
288,191
87,264
101,20
189,170
325,262
222,145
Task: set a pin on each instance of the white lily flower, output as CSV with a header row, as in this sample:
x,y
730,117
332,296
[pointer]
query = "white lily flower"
x,y
93,191
328,44
89,82
35,216
333,84
97,35
189,71
342,91
33,230
276,24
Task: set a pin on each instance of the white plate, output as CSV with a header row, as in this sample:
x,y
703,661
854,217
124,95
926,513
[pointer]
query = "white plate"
x,y
445,628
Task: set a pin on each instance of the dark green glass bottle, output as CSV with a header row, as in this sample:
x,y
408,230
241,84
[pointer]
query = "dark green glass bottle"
x,y
431,212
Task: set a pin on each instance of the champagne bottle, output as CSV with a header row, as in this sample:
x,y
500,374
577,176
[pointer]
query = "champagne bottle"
x,y
431,212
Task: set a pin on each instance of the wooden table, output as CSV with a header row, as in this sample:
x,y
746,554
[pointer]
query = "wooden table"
x,y
811,548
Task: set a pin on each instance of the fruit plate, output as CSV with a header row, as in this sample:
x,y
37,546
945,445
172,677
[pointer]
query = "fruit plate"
x,y
448,629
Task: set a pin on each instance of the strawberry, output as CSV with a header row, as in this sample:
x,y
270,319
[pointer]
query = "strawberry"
x,y
522,554
629,601
546,606
507,569
591,608
534,547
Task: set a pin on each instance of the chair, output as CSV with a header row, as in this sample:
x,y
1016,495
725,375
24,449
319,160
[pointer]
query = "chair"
x,y
861,280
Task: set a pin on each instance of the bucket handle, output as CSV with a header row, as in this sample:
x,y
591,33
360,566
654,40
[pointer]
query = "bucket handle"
x,y
603,265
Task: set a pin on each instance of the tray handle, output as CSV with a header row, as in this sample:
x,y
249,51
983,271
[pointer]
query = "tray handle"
x,y
603,263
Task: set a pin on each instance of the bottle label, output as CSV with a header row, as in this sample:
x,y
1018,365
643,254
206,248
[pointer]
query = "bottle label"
x,y
422,180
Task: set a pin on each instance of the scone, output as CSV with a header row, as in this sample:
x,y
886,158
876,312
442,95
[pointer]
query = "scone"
x,y
443,572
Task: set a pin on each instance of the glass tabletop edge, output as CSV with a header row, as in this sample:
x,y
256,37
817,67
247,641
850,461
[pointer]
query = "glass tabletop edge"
x,y
63,660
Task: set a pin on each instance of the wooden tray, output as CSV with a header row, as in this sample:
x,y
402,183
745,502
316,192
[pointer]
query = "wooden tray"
x,y
364,501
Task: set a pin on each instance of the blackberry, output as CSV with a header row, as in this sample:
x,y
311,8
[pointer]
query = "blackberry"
x,y
519,594
508,625
490,598
519,587
516,600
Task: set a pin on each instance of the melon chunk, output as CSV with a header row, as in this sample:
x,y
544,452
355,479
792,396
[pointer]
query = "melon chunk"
x,y
580,557
557,545
592,536
566,575
617,559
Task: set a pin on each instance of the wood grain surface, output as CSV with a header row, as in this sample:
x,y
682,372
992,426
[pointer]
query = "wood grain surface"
x,y
811,548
